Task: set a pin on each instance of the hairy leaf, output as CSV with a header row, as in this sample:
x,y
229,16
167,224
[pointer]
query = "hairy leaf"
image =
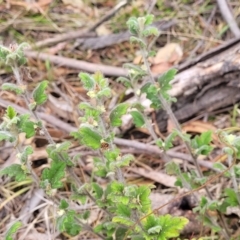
x,y
117,113
39,94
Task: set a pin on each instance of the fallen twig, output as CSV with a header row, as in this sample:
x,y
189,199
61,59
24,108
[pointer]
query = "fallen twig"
x,y
150,149
228,16
77,64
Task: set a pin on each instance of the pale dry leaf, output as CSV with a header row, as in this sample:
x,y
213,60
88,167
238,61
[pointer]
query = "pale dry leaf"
x,y
162,178
166,57
103,30
74,3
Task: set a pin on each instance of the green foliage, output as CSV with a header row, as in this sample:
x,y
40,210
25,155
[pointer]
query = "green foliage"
x,y
39,94
163,227
15,171
88,137
152,94
11,113
12,230
23,156
117,113
13,55
12,87
67,223
127,206
138,118
27,126
201,143
5,135
51,177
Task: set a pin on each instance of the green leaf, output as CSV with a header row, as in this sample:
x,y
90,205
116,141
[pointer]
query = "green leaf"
x,y
133,26
152,94
149,19
26,126
138,118
165,79
39,94
117,113
98,190
5,135
16,171
137,40
63,147
154,230
12,230
171,226
3,53
123,220
67,223
172,168
11,112
87,80
126,82
63,204
89,137
12,87
117,187
106,92
28,150
231,199
125,160
54,174
143,193
123,210
150,31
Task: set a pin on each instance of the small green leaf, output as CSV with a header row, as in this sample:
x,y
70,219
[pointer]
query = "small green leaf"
x,y
138,118
11,113
98,190
25,153
39,94
149,19
63,204
171,226
166,77
172,168
87,80
63,147
137,40
12,230
12,87
5,135
16,171
117,113
154,230
123,210
133,26
150,31
4,51
106,92
231,199
125,81
89,137
26,126
123,220
152,94
54,174
67,223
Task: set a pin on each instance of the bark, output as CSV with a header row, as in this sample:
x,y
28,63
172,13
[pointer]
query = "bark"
x,y
207,83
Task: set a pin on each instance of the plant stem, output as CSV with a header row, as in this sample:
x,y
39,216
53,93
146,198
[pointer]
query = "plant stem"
x,y
27,99
234,180
170,113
